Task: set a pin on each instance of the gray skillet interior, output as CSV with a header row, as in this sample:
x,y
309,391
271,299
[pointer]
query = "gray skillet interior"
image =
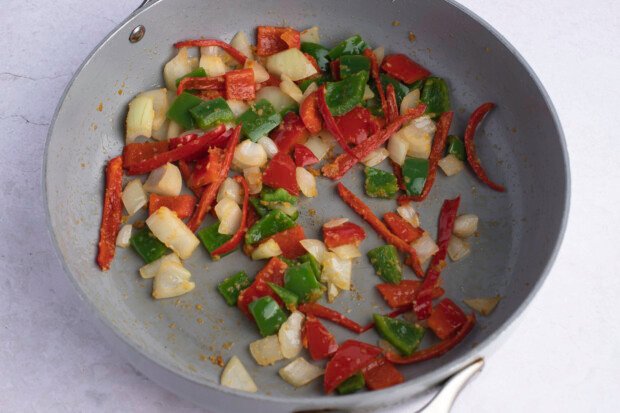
x,y
520,143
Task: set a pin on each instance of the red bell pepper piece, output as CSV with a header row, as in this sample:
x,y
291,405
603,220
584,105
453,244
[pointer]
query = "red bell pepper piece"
x,y
303,156
209,94
366,213
343,234
208,196
403,68
401,228
382,375
135,153
357,125
330,122
273,80
112,212
374,71
201,83
288,240
403,294
446,318
216,140
271,40
186,173
291,132
280,173
310,115
352,357
345,161
313,61
470,148
272,272
437,151
392,105
183,205
207,169
234,53
334,316
317,339
240,84
438,349
232,243
334,68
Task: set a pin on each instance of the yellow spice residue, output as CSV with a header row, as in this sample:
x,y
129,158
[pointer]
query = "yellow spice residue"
x,y
120,91
395,23
312,212
100,107
411,37
199,307
200,320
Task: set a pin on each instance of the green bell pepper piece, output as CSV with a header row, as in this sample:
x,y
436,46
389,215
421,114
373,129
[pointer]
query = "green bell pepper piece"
x,y
179,110
415,171
198,72
455,147
350,64
314,264
435,95
418,84
319,80
275,221
212,112
260,209
211,238
267,314
400,88
386,263
318,52
344,95
147,245
374,104
354,383
380,184
300,279
269,195
352,45
289,298
259,120
231,286
405,337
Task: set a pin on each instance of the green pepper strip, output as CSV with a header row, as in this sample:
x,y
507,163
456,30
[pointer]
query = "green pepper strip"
x,y
212,112
352,384
300,280
231,286
259,120
456,147
435,95
147,246
415,171
289,298
352,45
405,337
211,238
386,263
198,72
351,64
275,221
344,95
179,109
318,52
380,184
267,314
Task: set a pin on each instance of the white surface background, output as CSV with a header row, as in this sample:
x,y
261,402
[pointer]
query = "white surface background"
x,y
564,354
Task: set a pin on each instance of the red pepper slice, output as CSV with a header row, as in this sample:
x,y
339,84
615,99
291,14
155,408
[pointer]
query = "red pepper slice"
x,y
401,228
398,171
317,339
112,212
280,173
334,316
208,196
437,151
374,71
183,205
207,169
334,68
352,356
392,105
201,83
135,153
470,148
330,122
403,68
215,141
357,125
240,84
310,115
446,318
232,243
343,234
186,173
366,213
272,81
303,156
403,294
234,53
438,349
383,375
291,132
288,240
272,272
345,161
271,40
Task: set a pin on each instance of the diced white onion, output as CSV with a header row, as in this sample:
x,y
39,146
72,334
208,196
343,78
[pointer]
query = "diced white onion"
x,y
317,146
276,97
292,63
151,269
289,335
397,148
328,138
235,376
299,372
160,105
267,249
171,280
311,88
375,157
336,222
368,93
266,351
409,214
173,232
180,65
465,225
315,247
229,214
260,73
165,180
134,197
332,292
124,235
139,120
230,189
419,136
379,53
410,101
254,178
310,35
286,207
240,42
484,306
291,89
213,65
161,134
347,251
451,165
174,129
248,154
337,271
270,147
457,248
425,247
218,52
386,346
306,182
238,107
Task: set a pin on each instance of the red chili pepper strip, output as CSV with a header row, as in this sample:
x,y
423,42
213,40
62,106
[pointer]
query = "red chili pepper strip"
x,y
134,153
334,316
334,68
330,122
201,83
309,113
437,151
392,106
365,212
398,171
353,356
272,272
234,53
403,294
402,228
345,161
402,68
232,243
470,147
186,173
374,71
438,349
208,196
112,212
382,376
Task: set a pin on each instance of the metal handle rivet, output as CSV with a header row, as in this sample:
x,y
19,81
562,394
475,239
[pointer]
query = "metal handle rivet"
x,y
137,34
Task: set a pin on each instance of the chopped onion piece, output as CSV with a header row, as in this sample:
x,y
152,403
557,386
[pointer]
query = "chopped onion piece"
x,y
337,271
425,247
139,120
260,73
291,89
409,214
288,208
310,35
240,42
315,247
165,180
465,225
254,178
484,306
171,280
151,269
397,148
451,165
419,136
368,93
134,197
160,105
124,235
173,232
317,146
290,335
270,147
235,376
161,134
267,249
230,222
379,53
311,88
213,65
292,63
306,182
332,292
276,97
299,372
328,138
347,251
174,129
386,346
238,107
335,222
457,248
248,154
410,101
230,189
375,157
266,351
180,65
224,207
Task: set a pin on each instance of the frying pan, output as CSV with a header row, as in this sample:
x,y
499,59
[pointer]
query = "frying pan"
x,y
172,341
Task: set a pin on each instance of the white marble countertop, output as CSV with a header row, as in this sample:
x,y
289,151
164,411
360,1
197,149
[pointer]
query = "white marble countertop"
x,y
562,356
